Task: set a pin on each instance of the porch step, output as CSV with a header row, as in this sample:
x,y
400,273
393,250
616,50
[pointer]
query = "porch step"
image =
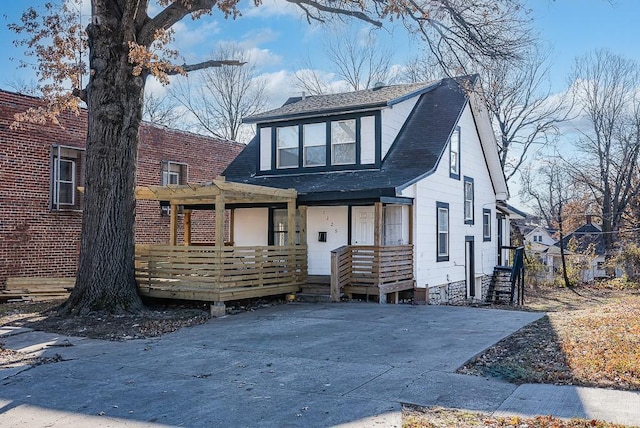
x,y
313,298
317,289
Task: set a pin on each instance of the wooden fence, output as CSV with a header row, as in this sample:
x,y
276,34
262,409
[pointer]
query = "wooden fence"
x,y
371,270
214,274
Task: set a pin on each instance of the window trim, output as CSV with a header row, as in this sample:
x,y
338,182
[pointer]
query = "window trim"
x,y
74,155
486,225
455,174
442,207
58,181
469,219
183,178
302,168
305,146
277,148
344,143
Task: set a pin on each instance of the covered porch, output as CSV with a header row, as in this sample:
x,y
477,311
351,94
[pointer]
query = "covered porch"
x,y
380,267
217,271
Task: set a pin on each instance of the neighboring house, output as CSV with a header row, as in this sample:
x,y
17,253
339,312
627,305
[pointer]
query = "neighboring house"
x,y
540,235
540,242
42,167
587,241
412,166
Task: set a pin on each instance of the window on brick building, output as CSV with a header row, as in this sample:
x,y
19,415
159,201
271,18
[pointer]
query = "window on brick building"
x,y
67,165
172,173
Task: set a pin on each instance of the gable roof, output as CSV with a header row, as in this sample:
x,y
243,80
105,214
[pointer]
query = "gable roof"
x,y
348,102
585,236
414,154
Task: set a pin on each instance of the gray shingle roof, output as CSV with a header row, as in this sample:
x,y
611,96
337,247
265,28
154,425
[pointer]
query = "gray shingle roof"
x,y
414,154
344,102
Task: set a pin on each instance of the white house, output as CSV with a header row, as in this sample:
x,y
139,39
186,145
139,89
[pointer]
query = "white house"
x,y
411,166
540,235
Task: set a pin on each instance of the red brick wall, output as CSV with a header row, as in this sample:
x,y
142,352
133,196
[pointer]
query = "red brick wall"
x,y
35,241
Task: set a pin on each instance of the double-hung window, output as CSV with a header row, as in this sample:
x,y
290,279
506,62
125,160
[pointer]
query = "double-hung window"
x,y
66,175
343,142
287,146
172,173
314,137
442,219
468,200
486,224
454,154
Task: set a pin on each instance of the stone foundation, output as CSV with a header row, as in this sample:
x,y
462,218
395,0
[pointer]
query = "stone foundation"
x,y
455,293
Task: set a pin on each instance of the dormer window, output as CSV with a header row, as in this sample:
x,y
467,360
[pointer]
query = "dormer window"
x,y
315,144
320,144
287,147
343,142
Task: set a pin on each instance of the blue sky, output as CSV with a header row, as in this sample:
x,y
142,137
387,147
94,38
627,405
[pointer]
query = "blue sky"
x,y
279,38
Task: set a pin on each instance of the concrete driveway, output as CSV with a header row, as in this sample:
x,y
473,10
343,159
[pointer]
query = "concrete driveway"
x,y
311,365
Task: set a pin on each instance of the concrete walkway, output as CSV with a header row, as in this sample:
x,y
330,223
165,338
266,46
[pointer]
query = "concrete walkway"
x,y
307,365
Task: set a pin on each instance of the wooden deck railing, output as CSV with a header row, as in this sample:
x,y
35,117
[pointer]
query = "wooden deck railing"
x,y
376,270
213,274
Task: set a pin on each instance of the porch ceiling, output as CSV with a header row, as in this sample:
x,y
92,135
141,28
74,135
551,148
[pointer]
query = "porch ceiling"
x,y
207,194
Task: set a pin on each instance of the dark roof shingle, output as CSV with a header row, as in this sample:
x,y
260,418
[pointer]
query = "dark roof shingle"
x,y
414,154
348,101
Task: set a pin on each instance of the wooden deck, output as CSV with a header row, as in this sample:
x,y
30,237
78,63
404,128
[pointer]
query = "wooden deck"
x,y
219,274
371,270
35,289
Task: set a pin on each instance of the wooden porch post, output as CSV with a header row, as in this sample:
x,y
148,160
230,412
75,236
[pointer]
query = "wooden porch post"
x,y
187,228
410,241
377,242
303,224
173,225
377,224
220,220
232,226
291,222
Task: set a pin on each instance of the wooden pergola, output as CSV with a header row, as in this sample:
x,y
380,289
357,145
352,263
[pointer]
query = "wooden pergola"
x,y
218,194
217,273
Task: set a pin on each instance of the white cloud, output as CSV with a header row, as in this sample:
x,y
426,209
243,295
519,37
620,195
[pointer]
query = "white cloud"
x,y
271,9
192,38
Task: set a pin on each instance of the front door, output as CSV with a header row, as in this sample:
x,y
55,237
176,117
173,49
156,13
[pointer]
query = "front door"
x,y
362,225
470,274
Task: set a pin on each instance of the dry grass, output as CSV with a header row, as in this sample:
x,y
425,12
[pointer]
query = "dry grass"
x,y
590,337
416,417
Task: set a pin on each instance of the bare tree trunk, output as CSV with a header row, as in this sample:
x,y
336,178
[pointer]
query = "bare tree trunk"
x,y
106,274
565,275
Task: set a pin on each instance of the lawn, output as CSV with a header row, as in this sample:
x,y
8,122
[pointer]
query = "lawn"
x,y
590,337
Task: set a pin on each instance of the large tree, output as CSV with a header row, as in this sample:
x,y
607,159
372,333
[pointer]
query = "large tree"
x,y
606,87
126,45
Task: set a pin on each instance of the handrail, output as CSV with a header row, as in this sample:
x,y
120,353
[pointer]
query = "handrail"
x,y
387,268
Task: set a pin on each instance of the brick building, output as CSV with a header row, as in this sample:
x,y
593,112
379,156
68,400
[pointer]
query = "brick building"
x,y
41,167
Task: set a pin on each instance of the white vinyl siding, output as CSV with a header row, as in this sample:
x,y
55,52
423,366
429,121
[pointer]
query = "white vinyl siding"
x,y
439,187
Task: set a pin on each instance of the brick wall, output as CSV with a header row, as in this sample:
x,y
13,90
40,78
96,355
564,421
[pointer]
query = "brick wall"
x,y
36,241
